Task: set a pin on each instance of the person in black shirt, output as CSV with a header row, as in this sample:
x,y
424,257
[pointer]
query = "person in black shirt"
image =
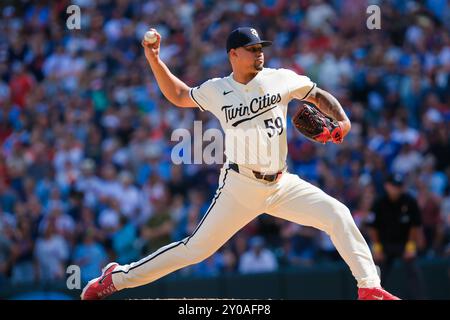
x,y
394,230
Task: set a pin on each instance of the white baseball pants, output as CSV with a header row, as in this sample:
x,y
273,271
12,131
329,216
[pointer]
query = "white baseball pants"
x,y
238,200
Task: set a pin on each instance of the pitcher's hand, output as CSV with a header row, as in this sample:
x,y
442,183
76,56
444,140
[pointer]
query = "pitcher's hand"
x,y
151,50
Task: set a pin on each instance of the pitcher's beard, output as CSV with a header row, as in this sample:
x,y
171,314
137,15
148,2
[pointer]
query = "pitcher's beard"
x,y
259,66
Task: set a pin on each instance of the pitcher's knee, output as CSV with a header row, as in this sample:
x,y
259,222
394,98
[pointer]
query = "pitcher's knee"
x,y
340,218
201,256
197,252
345,212
344,217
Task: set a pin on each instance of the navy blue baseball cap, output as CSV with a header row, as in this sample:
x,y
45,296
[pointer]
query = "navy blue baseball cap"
x,y
244,36
395,179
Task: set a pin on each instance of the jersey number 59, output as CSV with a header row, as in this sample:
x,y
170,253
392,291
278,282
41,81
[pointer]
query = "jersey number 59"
x,y
274,126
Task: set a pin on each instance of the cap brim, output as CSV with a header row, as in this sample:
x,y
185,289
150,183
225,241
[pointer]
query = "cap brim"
x,y
395,183
264,43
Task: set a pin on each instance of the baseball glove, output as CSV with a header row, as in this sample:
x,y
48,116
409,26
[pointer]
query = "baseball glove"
x,y
315,125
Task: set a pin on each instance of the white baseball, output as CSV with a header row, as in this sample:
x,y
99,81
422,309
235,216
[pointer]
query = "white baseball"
x,y
150,37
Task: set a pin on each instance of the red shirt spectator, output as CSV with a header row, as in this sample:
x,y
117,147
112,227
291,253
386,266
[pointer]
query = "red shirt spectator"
x,y
3,170
20,85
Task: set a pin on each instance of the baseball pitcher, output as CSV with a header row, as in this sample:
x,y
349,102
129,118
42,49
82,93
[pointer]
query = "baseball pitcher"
x,y
251,105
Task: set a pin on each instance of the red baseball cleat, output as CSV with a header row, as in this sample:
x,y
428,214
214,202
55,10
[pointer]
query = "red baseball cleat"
x,y
101,287
375,294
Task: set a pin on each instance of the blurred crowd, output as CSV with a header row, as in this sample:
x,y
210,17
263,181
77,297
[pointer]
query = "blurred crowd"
x,y
86,175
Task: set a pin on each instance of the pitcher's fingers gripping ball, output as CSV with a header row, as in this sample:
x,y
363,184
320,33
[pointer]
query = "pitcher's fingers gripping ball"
x,y
315,125
150,36
151,39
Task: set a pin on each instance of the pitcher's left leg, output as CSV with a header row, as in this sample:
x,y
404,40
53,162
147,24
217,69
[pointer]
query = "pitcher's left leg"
x,y
301,202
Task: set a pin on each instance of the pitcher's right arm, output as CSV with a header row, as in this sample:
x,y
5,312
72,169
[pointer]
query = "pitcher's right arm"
x,y
175,90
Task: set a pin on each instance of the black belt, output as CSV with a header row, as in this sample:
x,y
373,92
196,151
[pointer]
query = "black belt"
x,y
258,175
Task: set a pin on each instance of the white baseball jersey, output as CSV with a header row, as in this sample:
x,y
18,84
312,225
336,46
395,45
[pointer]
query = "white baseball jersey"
x,y
253,115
